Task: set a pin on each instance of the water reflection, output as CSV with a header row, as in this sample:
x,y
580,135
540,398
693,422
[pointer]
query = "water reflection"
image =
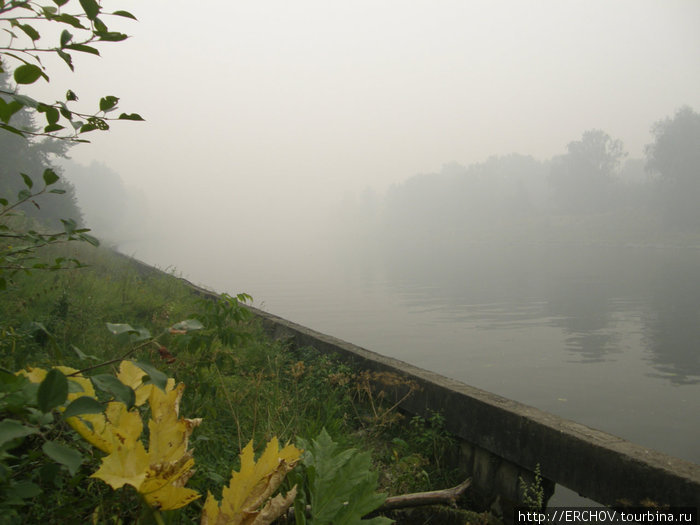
x,y
600,298
672,325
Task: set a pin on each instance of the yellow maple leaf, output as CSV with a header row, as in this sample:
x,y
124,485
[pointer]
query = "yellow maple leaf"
x,y
160,473
242,500
115,426
37,375
132,376
124,465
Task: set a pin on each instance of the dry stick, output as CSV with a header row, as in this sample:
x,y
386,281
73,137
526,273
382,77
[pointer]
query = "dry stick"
x,y
434,497
417,499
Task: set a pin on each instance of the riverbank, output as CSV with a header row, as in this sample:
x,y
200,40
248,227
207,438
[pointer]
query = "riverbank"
x,y
241,382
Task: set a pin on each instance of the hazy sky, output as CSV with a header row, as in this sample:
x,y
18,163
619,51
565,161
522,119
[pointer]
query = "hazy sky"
x,y
268,107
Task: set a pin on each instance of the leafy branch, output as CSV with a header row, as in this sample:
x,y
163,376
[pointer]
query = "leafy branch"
x,y
88,29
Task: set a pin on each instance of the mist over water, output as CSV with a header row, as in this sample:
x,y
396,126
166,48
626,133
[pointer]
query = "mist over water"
x,y
504,194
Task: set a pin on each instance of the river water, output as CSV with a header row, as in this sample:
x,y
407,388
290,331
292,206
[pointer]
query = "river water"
x,y
605,336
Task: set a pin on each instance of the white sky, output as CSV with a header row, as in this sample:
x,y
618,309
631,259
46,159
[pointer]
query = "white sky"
x,y
264,107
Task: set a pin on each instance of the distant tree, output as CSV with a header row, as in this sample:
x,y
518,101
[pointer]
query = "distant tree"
x,y
675,157
583,179
22,49
20,155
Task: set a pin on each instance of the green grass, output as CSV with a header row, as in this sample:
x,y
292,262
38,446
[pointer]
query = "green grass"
x,y
255,388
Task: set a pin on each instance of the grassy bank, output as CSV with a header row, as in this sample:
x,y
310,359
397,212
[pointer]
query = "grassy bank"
x,y
244,386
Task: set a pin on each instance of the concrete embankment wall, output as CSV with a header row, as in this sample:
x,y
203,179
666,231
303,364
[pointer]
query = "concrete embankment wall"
x,y
503,440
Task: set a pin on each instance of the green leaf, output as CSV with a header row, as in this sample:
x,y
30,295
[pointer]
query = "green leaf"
x,y
22,490
70,96
83,49
63,454
11,129
124,14
7,109
28,74
27,180
53,390
66,37
11,429
59,3
342,488
51,128
120,328
83,405
131,116
30,32
25,100
111,36
78,351
50,177
91,8
188,325
135,334
70,20
110,384
52,115
100,26
155,376
108,103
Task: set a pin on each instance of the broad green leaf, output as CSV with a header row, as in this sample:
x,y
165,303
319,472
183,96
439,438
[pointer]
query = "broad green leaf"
x,y
70,20
52,115
63,454
120,328
155,376
53,390
107,103
83,49
130,116
124,14
70,96
28,74
83,405
100,26
111,36
51,128
27,180
59,3
66,58
66,37
188,325
30,32
12,130
26,101
22,490
87,128
11,429
91,8
110,384
50,177
78,351
7,109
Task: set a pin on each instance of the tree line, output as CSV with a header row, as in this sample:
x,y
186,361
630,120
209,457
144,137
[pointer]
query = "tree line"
x,y
592,189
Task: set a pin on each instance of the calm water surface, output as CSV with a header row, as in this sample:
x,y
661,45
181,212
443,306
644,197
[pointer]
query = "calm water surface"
x,y
609,337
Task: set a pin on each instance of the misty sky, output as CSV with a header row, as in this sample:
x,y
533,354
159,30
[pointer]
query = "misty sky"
x,y
270,107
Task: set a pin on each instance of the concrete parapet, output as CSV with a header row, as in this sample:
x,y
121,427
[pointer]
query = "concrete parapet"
x,y
505,440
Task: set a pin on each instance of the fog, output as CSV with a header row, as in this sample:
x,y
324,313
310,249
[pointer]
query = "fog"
x,y
502,192
262,118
